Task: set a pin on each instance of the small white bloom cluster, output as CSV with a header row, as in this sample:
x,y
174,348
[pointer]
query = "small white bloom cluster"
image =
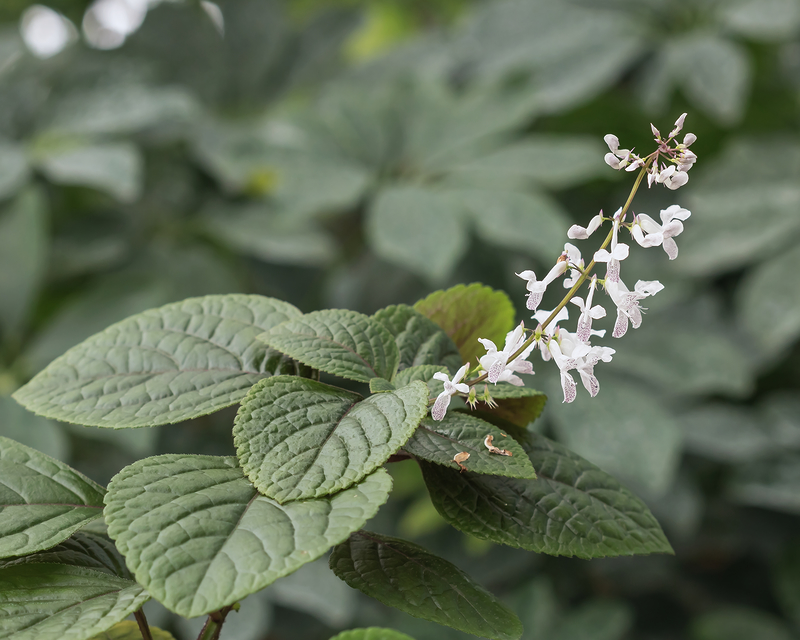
x,y
574,351
673,173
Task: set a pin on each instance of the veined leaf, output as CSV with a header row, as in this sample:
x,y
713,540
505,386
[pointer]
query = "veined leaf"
x,y
406,576
165,365
199,537
60,602
344,343
469,312
518,405
129,630
299,438
371,633
439,441
380,385
572,508
423,373
419,340
42,500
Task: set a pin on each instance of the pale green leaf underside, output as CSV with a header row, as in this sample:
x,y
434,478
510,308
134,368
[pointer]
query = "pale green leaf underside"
x,y
42,500
60,602
337,341
165,365
420,340
129,630
572,508
297,438
439,441
371,633
199,537
406,576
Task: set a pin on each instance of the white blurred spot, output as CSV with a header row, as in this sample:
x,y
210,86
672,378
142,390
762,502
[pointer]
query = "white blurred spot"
x,y
107,23
45,32
215,13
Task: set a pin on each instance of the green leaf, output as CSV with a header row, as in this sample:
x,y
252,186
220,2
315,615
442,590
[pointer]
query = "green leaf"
x,y
42,500
298,438
60,602
31,430
116,168
345,343
129,630
439,441
572,508
517,405
406,576
179,361
86,549
739,623
469,312
380,385
767,20
23,256
596,620
423,373
418,228
199,537
14,169
769,484
371,633
419,340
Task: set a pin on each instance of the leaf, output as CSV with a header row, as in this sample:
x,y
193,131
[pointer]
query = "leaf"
x,y
406,576
380,385
596,620
518,405
23,257
129,630
14,169
423,373
626,431
469,312
60,602
42,500
420,229
439,441
116,168
199,537
371,633
419,340
739,623
572,508
180,361
86,549
344,343
299,439
768,20
769,484
531,222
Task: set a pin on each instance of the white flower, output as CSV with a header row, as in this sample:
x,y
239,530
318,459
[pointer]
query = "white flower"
x,y
671,177
620,158
550,330
619,251
586,364
574,259
646,231
564,364
496,362
538,287
628,308
450,389
588,313
672,226
577,232
678,126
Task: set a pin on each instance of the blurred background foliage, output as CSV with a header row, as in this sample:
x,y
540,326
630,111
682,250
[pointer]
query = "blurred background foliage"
x,y
345,153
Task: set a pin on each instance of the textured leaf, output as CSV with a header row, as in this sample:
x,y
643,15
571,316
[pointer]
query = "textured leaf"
x,y
165,365
419,340
420,229
572,508
86,549
423,373
42,500
439,441
129,630
299,438
469,312
517,405
406,576
198,536
371,633
344,343
60,602
380,385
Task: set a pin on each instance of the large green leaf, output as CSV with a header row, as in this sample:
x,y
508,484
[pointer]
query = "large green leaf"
x,y
129,630
42,500
572,508
469,312
406,576
371,633
421,229
423,373
420,340
344,343
60,602
199,537
439,441
298,438
518,405
180,361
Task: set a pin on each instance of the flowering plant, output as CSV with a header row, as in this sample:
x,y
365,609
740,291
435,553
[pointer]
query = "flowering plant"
x,y
200,533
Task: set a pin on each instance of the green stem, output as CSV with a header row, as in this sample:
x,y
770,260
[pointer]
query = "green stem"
x,y
213,626
144,628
